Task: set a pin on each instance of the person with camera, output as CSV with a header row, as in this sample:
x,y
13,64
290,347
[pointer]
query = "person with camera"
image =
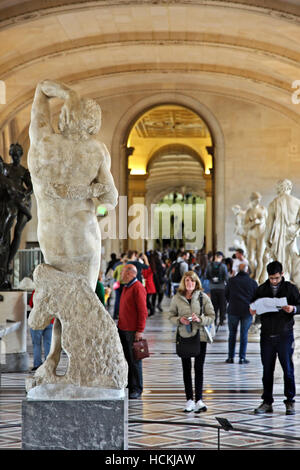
x,y
185,313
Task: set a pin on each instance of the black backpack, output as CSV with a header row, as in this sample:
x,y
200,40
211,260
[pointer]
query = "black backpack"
x,y
175,272
215,272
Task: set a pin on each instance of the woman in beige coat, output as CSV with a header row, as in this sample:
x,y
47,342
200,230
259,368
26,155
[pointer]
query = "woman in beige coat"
x,y
184,305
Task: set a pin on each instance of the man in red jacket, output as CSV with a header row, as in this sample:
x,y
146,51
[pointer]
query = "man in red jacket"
x,y
132,320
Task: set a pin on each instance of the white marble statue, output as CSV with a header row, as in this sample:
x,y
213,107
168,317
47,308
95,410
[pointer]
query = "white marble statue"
x,y
239,229
68,169
283,228
254,226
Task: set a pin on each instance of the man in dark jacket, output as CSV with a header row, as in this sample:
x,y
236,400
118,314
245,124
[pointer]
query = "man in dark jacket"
x,y
217,275
239,292
277,336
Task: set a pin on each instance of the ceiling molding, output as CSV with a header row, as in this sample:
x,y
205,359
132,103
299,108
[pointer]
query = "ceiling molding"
x,y
24,11
24,100
116,40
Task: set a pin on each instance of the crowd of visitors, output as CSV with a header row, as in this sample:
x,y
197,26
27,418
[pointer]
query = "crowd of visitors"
x,y
226,290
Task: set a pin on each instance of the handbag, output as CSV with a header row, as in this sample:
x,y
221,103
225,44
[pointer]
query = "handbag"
x,y
188,347
210,330
140,349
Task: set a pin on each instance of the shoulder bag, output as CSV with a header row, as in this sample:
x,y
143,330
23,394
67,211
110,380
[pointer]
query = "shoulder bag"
x,y
188,347
210,330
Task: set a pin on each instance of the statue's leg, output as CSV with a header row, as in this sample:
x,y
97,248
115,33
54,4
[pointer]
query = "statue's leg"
x,y
21,222
251,255
260,248
8,222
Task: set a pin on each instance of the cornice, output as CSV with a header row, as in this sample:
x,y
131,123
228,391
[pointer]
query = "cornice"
x,y
24,100
22,12
141,39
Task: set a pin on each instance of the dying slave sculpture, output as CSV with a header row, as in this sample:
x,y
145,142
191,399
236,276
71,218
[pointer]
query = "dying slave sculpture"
x,y
69,169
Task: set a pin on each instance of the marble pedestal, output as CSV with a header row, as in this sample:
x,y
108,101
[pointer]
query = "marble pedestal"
x,y
90,419
13,310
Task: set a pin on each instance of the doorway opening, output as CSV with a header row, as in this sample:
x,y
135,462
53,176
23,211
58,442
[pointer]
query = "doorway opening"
x,y
170,155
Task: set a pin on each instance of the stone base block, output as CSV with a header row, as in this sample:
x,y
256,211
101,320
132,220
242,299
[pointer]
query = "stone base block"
x,y
75,424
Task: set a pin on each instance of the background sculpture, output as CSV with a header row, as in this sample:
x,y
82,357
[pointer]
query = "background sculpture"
x,y
282,230
68,170
239,228
15,205
254,226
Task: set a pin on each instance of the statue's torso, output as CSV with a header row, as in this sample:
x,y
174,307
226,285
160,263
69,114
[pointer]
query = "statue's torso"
x,y
60,160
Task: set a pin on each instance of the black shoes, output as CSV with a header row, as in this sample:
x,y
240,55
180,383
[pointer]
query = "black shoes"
x,y
263,408
229,360
243,361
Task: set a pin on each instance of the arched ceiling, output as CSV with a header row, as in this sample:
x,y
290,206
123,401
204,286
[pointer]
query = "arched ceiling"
x,y
244,49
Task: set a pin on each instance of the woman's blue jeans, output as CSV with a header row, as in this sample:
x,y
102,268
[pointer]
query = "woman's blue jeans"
x,y
37,337
245,322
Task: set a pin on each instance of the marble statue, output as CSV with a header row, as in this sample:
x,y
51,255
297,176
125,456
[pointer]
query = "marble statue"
x,y
283,228
15,205
255,225
69,169
239,229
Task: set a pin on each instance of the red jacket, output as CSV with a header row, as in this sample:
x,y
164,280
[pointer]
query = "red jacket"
x,y
148,276
133,310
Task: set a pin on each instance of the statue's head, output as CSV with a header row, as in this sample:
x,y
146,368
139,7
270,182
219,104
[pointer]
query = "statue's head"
x,y
80,117
284,186
16,152
236,209
255,197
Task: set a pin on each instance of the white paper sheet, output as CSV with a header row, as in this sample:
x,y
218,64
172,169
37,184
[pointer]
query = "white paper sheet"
x,y
268,304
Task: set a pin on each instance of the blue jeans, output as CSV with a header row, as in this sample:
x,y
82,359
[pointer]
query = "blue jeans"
x,y
233,323
37,337
283,346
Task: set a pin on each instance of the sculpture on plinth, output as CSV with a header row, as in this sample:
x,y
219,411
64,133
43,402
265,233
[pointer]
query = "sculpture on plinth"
x,y
239,228
15,205
69,169
254,226
282,230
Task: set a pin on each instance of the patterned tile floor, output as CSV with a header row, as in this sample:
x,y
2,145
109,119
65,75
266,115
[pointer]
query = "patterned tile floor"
x,y
231,391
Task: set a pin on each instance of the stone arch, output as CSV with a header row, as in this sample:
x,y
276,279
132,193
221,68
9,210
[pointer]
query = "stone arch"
x,y
175,148
132,114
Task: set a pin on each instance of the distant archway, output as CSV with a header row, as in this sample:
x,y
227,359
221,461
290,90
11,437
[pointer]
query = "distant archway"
x,y
120,142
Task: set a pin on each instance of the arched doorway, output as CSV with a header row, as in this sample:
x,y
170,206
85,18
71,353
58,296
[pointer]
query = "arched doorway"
x,y
170,150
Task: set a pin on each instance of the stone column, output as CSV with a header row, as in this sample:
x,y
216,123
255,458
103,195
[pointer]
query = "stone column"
x,y
208,214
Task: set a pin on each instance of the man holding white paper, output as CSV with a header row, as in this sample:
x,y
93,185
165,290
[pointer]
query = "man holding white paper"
x,y
277,335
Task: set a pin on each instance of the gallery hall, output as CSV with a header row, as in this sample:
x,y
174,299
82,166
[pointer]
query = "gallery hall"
x,y
143,145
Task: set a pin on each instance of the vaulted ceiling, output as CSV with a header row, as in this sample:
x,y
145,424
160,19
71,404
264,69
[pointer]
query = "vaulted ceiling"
x,y
249,49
